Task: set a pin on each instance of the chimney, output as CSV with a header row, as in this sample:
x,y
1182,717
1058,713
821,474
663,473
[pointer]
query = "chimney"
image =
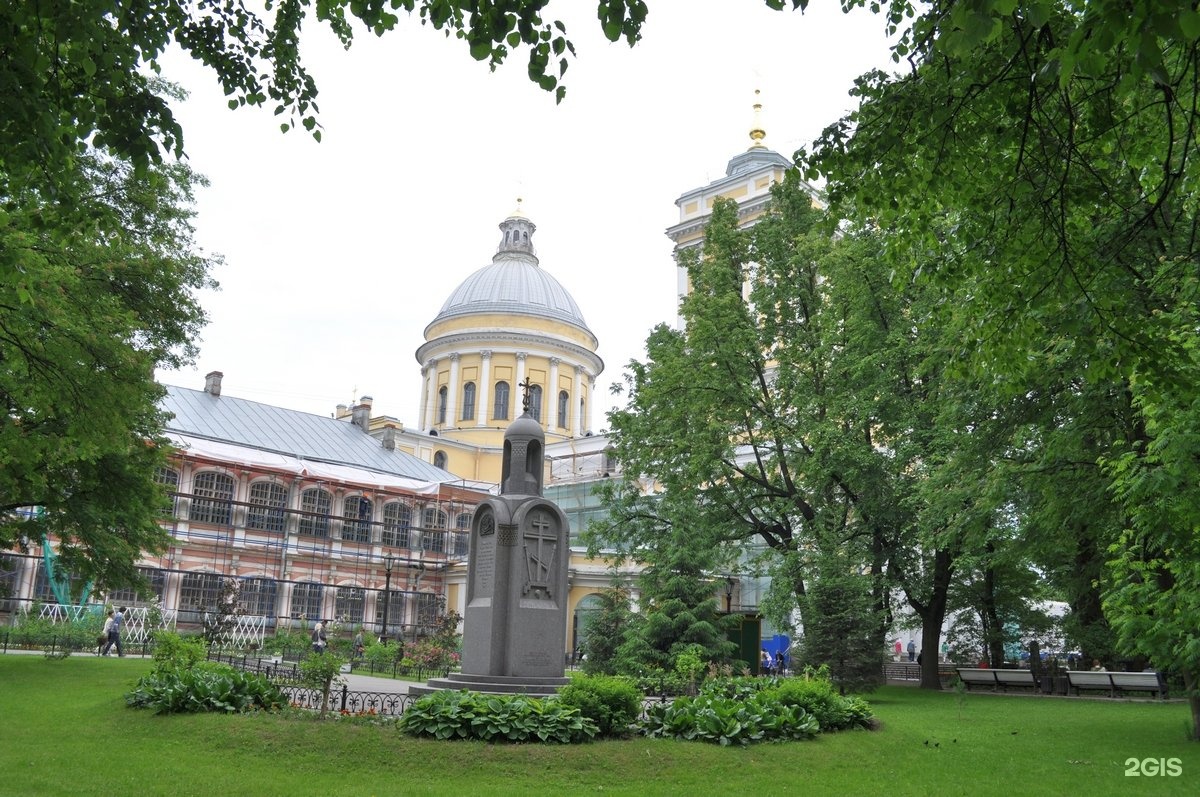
x,y
212,382
389,437
361,413
341,411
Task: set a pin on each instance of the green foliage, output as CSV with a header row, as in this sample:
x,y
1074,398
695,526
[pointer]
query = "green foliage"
x,y
98,281
32,630
173,652
515,718
205,686
722,720
603,634
383,655
844,629
83,71
322,671
821,699
612,702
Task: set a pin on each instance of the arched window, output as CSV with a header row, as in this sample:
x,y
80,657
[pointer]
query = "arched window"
x,y
128,596
268,500
348,606
315,505
462,535
500,408
306,601
169,479
439,459
396,521
443,400
198,593
535,402
257,597
564,401
213,494
468,411
356,519
435,530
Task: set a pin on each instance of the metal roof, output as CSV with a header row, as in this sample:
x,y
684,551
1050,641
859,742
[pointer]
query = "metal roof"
x,y
513,283
299,434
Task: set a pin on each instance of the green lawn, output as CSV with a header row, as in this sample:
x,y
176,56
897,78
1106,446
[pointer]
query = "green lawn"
x,y
64,729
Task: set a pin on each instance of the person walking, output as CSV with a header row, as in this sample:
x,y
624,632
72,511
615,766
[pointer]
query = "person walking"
x,y
114,632
101,648
318,637
912,650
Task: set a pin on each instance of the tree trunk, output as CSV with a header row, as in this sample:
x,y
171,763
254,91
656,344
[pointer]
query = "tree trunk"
x,y
993,629
932,614
1189,683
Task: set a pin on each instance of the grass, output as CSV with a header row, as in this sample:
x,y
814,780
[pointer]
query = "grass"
x,y
64,729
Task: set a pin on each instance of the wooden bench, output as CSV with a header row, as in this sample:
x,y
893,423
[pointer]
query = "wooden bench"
x,y
977,676
1114,682
1025,678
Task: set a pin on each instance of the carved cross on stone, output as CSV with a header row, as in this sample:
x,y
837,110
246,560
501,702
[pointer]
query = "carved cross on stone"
x,y
541,543
525,386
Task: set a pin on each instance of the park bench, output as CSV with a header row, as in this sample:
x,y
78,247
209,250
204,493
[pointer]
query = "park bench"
x,y
1007,678
977,676
1113,682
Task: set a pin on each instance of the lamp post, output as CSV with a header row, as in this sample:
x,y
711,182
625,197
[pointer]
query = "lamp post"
x,y
418,567
388,561
728,594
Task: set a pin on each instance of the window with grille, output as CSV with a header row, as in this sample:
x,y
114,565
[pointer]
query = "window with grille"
x,y
306,601
257,596
198,593
212,498
10,577
564,401
268,501
435,530
348,607
397,518
535,402
468,410
428,607
356,519
155,577
500,406
396,607
462,538
43,590
169,479
315,505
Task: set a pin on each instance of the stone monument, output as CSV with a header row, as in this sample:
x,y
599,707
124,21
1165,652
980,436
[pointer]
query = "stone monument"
x,y
515,625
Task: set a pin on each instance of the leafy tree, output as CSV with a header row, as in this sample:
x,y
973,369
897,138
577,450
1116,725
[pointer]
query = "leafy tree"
x,y
97,290
1047,151
83,71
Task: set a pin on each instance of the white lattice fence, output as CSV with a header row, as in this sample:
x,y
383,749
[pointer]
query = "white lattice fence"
x,y
138,627
137,620
247,630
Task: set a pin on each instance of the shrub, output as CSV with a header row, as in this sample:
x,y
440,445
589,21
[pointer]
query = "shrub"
x,y
820,698
204,687
494,718
321,671
725,721
382,655
174,652
612,702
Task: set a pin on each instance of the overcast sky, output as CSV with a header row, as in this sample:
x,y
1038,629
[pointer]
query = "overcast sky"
x,y
338,254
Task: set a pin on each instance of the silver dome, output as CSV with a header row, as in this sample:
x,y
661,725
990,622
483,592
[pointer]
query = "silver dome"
x,y
513,283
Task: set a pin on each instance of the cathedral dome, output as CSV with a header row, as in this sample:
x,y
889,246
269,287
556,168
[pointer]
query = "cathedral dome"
x,y
514,283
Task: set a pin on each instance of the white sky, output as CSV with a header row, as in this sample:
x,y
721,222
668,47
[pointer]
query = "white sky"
x,y
338,254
